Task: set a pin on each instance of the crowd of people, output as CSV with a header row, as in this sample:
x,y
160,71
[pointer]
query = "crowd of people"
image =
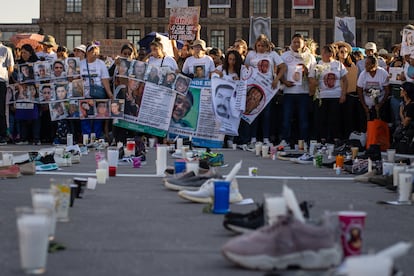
x,y
324,97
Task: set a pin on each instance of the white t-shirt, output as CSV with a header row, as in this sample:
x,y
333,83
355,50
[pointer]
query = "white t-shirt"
x,y
230,76
194,65
329,78
292,61
97,70
361,65
264,62
368,83
167,61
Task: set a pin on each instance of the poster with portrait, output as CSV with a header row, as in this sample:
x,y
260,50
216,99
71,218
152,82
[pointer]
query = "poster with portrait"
x,y
137,69
76,89
193,116
181,84
42,70
258,95
122,66
407,43
102,109
183,23
117,108
345,30
226,110
396,74
72,66
168,77
72,107
153,74
26,72
46,92
86,109
58,70
258,26
58,111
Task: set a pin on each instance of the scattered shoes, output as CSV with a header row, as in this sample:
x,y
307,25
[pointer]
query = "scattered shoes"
x,y
244,223
304,159
12,171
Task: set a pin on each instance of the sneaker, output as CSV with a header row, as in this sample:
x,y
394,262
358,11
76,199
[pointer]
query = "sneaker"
x,y
305,159
205,193
189,181
213,159
12,171
242,147
281,155
3,141
22,143
288,242
381,180
37,143
244,223
251,147
365,177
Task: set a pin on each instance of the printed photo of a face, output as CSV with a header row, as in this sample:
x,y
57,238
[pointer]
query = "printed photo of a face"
x,y
46,93
58,69
182,106
86,109
199,72
181,84
61,91
168,79
123,67
31,92
77,88
138,69
42,71
72,67
222,98
26,72
329,80
73,109
117,108
263,66
102,110
152,74
254,99
57,111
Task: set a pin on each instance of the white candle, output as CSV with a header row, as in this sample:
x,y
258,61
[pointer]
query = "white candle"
x,y
395,172
85,139
258,148
179,143
275,206
103,164
192,166
101,176
405,186
47,201
113,155
69,140
369,165
7,159
91,183
161,163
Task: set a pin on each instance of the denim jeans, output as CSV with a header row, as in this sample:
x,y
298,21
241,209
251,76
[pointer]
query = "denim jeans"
x,y
3,120
264,119
89,126
298,103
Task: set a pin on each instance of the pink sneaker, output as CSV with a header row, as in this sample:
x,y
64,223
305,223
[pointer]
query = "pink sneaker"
x,y
289,242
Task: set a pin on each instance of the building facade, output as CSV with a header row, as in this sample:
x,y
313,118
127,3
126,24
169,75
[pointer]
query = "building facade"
x,y
77,21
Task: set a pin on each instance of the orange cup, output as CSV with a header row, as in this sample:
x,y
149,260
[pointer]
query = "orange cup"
x,y
340,161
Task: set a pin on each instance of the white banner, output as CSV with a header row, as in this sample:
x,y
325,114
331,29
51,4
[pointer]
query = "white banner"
x,y
258,26
345,30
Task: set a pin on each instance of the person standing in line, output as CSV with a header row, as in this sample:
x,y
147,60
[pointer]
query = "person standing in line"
x,y
6,69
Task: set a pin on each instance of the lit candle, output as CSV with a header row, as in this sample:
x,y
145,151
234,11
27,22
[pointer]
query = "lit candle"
x,y
103,164
275,206
179,143
161,163
395,172
85,139
369,165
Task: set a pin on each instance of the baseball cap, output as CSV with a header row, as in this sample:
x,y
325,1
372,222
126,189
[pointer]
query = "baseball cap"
x,y
81,48
371,46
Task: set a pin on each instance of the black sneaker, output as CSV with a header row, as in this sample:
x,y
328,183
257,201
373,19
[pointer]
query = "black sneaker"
x,y
190,183
3,141
245,223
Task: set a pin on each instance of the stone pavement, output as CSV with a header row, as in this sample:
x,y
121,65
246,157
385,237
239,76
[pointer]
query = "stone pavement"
x,y
133,225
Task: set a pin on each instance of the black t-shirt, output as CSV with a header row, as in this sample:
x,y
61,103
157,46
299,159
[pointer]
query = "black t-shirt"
x,y
409,111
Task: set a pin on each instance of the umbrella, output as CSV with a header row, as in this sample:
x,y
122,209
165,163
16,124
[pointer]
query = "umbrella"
x,y
26,38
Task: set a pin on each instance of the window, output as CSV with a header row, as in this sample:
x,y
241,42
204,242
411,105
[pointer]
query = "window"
x,y
304,33
133,6
301,12
217,11
259,6
343,7
384,39
219,4
73,38
73,5
217,39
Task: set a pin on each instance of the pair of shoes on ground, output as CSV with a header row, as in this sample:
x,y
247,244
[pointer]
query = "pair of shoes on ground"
x,y
11,171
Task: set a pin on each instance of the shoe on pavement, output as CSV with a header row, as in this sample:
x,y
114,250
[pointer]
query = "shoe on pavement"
x,y
288,242
22,143
205,194
251,147
381,180
244,223
187,182
304,159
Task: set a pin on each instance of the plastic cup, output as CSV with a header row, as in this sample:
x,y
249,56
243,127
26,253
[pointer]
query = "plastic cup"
x,y
391,155
151,142
339,161
99,155
69,139
93,137
45,199
7,159
91,185
85,139
101,176
221,197
369,265
387,168
352,225
113,155
179,166
301,144
405,187
62,193
32,227
275,206
130,144
258,148
265,151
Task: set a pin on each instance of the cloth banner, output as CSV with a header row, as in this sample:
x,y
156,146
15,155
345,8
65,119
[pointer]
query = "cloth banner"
x,y
183,23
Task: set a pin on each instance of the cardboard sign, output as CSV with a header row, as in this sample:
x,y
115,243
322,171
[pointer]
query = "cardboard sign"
x,y
111,47
183,23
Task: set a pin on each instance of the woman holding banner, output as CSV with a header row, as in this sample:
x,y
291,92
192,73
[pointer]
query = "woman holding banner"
x,y
159,58
275,68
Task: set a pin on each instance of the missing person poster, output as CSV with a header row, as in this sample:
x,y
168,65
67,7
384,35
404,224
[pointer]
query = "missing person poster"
x,y
183,23
258,95
193,116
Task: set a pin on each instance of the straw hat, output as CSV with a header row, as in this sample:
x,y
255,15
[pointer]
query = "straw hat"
x,y
340,44
49,40
200,42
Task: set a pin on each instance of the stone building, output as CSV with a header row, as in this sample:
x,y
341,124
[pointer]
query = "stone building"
x,y
76,21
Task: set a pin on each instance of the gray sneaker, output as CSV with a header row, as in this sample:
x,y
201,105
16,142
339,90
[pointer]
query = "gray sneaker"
x,y
288,242
189,181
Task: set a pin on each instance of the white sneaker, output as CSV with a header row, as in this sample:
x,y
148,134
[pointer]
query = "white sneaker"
x,y
206,193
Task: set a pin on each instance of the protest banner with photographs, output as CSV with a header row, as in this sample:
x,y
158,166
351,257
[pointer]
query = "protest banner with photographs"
x,y
148,108
227,96
42,70
110,47
26,73
122,66
396,75
72,107
191,109
137,69
117,108
102,109
58,111
258,95
407,42
72,67
183,23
